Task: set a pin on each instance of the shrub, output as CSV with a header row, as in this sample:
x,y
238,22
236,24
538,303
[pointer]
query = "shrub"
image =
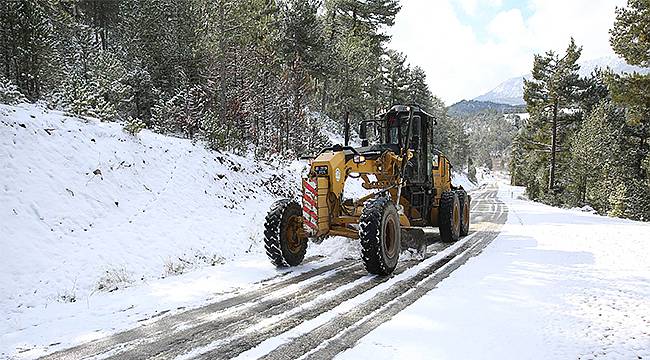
x,y
114,279
9,93
134,126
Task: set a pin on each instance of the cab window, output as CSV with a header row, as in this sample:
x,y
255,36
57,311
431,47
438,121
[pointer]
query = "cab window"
x,y
397,128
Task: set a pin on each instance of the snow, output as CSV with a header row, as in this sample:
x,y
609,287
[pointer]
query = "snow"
x,y
156,207
67,324
346,306
461,179
167,225
511,91
555,284
170,225
508,92
485,176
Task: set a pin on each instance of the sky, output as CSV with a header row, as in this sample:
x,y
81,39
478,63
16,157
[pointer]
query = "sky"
x,y
468,47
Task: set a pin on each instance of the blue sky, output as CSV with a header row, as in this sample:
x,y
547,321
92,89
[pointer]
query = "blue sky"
x,y
468,47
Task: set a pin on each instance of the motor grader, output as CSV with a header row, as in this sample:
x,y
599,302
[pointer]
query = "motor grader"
x,y
409,185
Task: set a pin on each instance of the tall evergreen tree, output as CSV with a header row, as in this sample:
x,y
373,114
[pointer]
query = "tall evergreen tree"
x,y
630,38
551,97
418,90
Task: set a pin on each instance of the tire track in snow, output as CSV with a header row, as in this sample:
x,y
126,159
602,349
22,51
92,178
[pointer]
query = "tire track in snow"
x,y
163,325
294,345
235,345
236,319
348,338
247,321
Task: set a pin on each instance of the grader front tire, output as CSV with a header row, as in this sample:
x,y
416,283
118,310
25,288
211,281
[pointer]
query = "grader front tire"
x,y
282,234
379,232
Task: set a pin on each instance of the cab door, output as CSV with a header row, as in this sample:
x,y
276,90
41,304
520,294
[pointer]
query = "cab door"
x,y
445,174
417,169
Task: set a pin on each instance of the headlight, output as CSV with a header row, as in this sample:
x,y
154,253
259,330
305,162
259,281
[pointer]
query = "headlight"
x,y
320,170
359,159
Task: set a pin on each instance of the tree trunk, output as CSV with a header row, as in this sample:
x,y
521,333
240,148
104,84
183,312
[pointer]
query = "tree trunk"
x,y
551,180
346,129
642,153
222,61
324,97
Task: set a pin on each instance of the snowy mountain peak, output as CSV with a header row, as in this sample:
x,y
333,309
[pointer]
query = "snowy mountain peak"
x,y
511,91
508,92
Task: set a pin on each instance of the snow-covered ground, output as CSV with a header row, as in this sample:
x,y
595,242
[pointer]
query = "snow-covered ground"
x,y
86,209
555,284
100,230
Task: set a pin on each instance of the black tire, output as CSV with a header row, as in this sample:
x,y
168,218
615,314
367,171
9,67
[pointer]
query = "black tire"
x,y
449,217
465,204
379,232
281,234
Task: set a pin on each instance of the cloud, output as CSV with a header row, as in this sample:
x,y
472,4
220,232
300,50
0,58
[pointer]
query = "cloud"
x,y
464,60
508,26
471,7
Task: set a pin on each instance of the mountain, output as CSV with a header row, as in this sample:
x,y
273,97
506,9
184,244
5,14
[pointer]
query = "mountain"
x,y
470,107
511,91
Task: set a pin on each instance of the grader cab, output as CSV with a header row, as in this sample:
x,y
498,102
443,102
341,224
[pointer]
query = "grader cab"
x,y
409,185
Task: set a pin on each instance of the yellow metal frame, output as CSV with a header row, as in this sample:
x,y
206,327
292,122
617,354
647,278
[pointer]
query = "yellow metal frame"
x,y
331,218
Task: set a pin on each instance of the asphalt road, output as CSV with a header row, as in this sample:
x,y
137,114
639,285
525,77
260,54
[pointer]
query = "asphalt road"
x,y
314,315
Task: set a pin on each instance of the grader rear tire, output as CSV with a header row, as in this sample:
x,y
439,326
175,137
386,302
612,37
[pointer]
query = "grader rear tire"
x,y
379,232
449,217
464,212
282,230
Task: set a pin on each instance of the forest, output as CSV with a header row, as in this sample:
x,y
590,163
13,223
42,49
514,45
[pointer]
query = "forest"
x,y
586,143
265,76
242,75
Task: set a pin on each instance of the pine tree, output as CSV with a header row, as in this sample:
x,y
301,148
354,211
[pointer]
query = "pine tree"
x,y
242,75
630,39
604,166
418,90
354,38
396,76
554,89
26,42
9,93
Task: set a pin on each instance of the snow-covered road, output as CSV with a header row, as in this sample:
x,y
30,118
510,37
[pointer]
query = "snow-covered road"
x,y
301,314
555,284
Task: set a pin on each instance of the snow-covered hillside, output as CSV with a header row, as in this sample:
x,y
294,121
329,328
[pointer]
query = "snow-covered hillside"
x,y
511,91
86,207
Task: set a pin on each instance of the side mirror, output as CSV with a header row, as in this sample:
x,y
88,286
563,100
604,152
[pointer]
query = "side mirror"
x,y
363,130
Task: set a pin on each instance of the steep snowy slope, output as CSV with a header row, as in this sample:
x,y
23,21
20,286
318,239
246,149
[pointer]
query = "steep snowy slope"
x,y
86,207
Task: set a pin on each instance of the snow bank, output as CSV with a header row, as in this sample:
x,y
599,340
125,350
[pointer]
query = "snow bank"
x,y
86,207
483,176
461,179
486,176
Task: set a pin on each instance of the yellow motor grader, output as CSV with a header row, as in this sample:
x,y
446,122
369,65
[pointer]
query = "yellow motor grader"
x,y
410,188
